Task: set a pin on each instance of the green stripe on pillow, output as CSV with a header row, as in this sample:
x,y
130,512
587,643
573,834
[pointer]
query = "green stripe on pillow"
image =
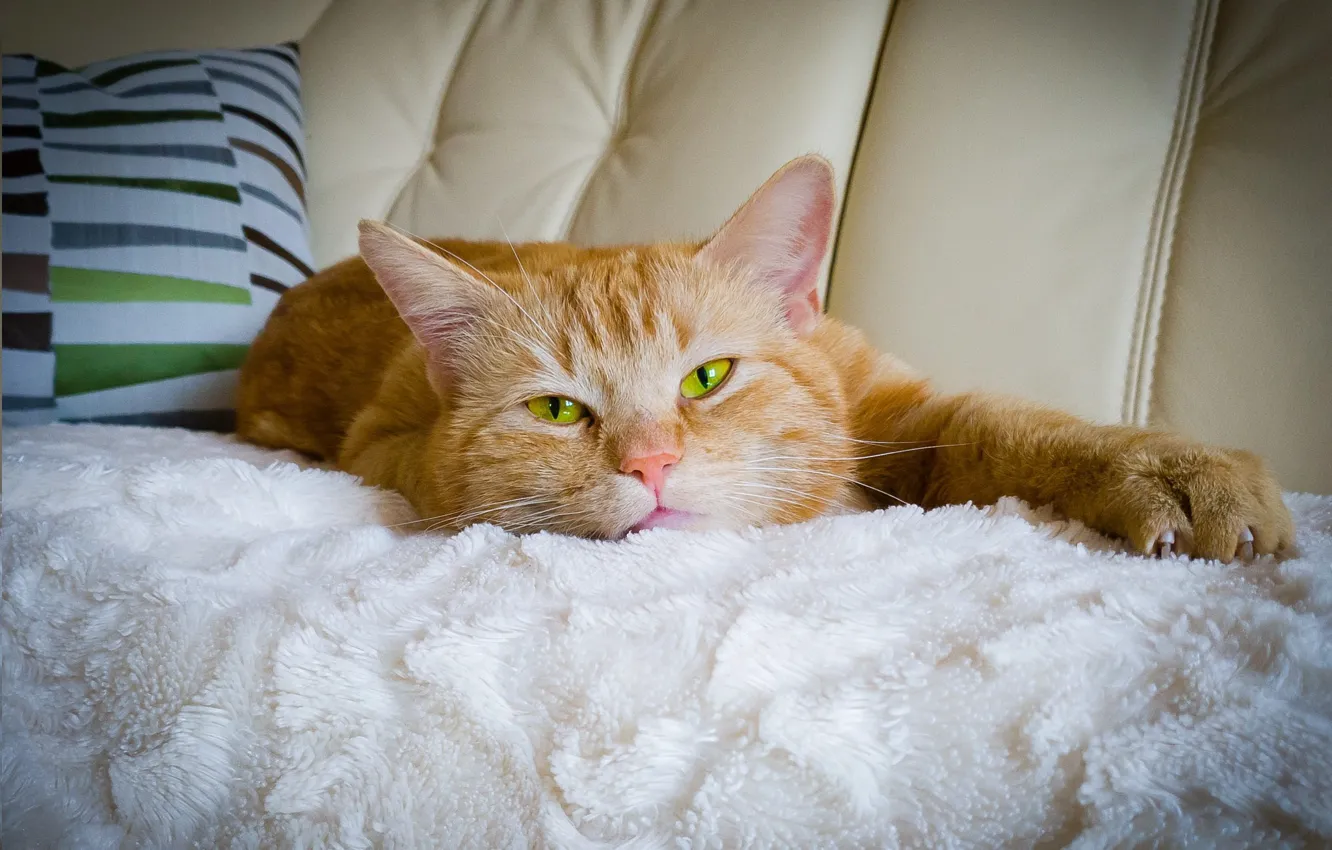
x,y
88,368
70,284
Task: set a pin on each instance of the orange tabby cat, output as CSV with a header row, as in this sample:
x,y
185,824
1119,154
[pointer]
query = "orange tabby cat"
x,y
598,391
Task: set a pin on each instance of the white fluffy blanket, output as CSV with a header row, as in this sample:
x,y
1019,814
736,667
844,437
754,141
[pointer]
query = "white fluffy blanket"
x,y
209,645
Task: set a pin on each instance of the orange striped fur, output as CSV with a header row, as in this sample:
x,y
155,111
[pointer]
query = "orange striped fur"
x,y
411,365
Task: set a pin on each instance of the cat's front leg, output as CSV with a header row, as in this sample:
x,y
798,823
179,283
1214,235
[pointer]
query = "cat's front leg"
x,y
1161,492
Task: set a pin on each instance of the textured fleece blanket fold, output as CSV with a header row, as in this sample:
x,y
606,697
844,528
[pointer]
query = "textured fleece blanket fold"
x,y
206,644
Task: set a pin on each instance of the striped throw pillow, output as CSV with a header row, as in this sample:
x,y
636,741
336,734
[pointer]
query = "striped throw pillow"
x,y
154,211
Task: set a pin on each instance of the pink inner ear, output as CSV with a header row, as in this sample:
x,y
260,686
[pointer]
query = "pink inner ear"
x,y
803,287
782,234
437,299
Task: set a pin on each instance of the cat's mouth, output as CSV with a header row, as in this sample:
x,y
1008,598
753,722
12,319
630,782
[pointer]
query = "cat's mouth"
x,y
661,517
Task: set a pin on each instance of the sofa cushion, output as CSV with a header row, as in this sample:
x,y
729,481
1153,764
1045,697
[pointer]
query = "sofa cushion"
x,y
154,211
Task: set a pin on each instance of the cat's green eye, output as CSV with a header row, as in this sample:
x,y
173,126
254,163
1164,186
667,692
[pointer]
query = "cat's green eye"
x,y
705,378
557,409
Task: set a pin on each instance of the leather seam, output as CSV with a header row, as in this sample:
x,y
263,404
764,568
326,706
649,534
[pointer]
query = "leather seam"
x,y
1154,278
619,120
446,88
870,93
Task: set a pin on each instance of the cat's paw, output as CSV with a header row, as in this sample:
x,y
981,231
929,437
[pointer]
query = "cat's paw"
x,y
1171,497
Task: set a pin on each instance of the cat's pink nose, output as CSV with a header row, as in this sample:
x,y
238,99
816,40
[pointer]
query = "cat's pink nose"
x,y
650,469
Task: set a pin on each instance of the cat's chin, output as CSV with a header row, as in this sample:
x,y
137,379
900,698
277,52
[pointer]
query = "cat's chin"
x,y
665,518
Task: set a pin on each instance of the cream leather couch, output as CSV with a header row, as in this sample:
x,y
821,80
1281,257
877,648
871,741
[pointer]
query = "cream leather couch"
x,y
1122,208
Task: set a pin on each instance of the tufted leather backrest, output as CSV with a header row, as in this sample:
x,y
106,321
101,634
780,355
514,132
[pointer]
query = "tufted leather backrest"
x,y
1124,209
1021,193
583,120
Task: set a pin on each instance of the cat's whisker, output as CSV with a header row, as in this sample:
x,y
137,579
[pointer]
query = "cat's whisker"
x,y
491,518
527,280
504,341
560,508
822,504
845,478
487,278
875,442
548,511
502,291
766,501
414,521
494,514
532,347
470,513
754,507
427,519
502,504
864,457
769,498
424,320
540,522
827,503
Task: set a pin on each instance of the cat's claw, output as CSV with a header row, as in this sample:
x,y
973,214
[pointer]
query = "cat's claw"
x,y
1245,552
1163,546
1196,502
1167,545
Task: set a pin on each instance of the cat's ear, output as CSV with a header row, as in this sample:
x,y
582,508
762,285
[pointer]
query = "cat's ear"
x,y
438,299
781,235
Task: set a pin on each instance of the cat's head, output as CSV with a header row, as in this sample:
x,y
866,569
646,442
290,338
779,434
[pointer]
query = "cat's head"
x,y
604,390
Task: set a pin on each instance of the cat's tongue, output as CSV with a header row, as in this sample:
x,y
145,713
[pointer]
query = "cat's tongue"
x,y
663,518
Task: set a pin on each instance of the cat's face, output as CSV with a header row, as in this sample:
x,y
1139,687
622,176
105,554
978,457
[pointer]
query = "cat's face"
x,y
643,390
605,391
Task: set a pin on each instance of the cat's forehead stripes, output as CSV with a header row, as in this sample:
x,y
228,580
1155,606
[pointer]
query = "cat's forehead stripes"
x,y
620,328
612,309
619,345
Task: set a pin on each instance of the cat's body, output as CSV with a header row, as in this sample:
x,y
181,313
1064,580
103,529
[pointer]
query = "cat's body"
x,y
338,375
596,391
